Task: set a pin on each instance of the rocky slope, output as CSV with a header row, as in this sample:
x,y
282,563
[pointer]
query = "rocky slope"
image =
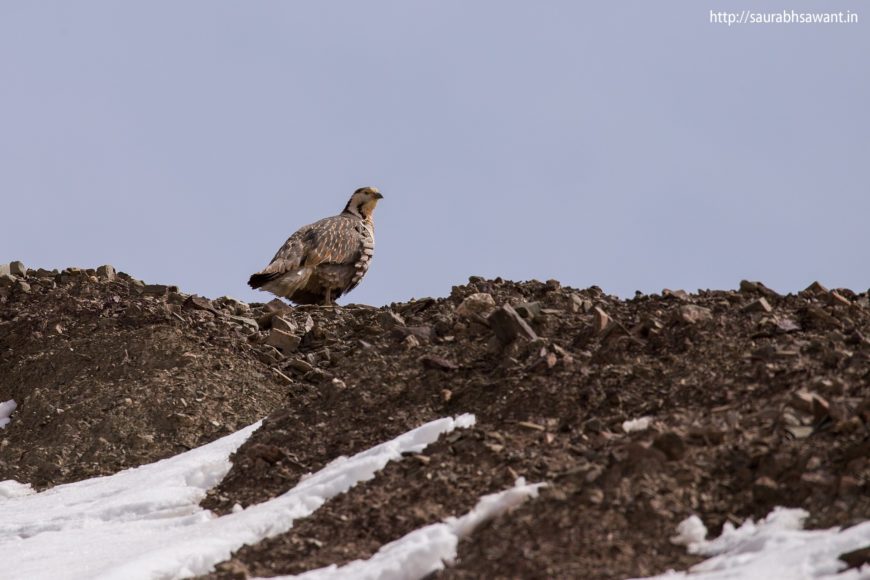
x,y
753,400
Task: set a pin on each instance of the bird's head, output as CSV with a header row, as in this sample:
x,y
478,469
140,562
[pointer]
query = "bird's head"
x,y
363,201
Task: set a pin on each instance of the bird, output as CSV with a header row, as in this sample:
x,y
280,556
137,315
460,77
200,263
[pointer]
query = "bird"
x,y
327,259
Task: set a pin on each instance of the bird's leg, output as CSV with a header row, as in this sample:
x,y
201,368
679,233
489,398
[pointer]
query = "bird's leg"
x,y
328,300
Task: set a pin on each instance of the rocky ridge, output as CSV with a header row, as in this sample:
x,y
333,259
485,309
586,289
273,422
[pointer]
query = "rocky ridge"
x,y
748,399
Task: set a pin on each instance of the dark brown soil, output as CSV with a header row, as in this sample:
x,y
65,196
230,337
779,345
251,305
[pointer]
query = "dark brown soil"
x,y
109,376
753,403
750,408
446,479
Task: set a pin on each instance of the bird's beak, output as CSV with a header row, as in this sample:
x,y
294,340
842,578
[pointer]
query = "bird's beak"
x,y
379,196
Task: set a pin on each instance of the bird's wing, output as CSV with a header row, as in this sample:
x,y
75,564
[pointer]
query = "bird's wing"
x,y
333,240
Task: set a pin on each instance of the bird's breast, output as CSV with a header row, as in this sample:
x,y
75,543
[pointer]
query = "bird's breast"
x,y
367,250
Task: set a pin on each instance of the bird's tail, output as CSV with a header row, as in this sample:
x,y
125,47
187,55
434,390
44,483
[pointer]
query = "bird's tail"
x,y
279,281
260,279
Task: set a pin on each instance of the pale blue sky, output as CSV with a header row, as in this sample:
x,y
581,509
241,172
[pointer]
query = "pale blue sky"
x,y
632,145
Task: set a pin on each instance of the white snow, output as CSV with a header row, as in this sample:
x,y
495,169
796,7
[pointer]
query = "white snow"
x,y
427,549
690,532
640,424
146,522
775,548
11,488
6,410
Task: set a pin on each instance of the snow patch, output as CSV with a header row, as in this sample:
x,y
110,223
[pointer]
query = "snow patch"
x,y
146,522
10,488
690,532
6,410
640,424
427,549
775,547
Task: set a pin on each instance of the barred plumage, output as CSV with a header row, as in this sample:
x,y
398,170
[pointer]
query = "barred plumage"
x,y
326,259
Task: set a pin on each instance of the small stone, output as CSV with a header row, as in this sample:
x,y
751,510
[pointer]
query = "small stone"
x,y
300,365
810,403
799,431
195,302
390,320
678,294
578,304
765,489
508,325
818,479
410,342
748,287
309,324
528,310
271,309
633,425
600,320
283,341
22,286
817,315
594,496
7,280
786,325
789,419
276,305
268,354
106,272
760,305
18,269
437,363
421,333
281,323
478,303
143,438
177,298
155,289
266,452
593,474
550,359
814,289
250,323
839,299
494,447
692,314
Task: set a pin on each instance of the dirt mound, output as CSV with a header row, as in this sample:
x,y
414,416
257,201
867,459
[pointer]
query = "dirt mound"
x,y
754,399
746,400
110,373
